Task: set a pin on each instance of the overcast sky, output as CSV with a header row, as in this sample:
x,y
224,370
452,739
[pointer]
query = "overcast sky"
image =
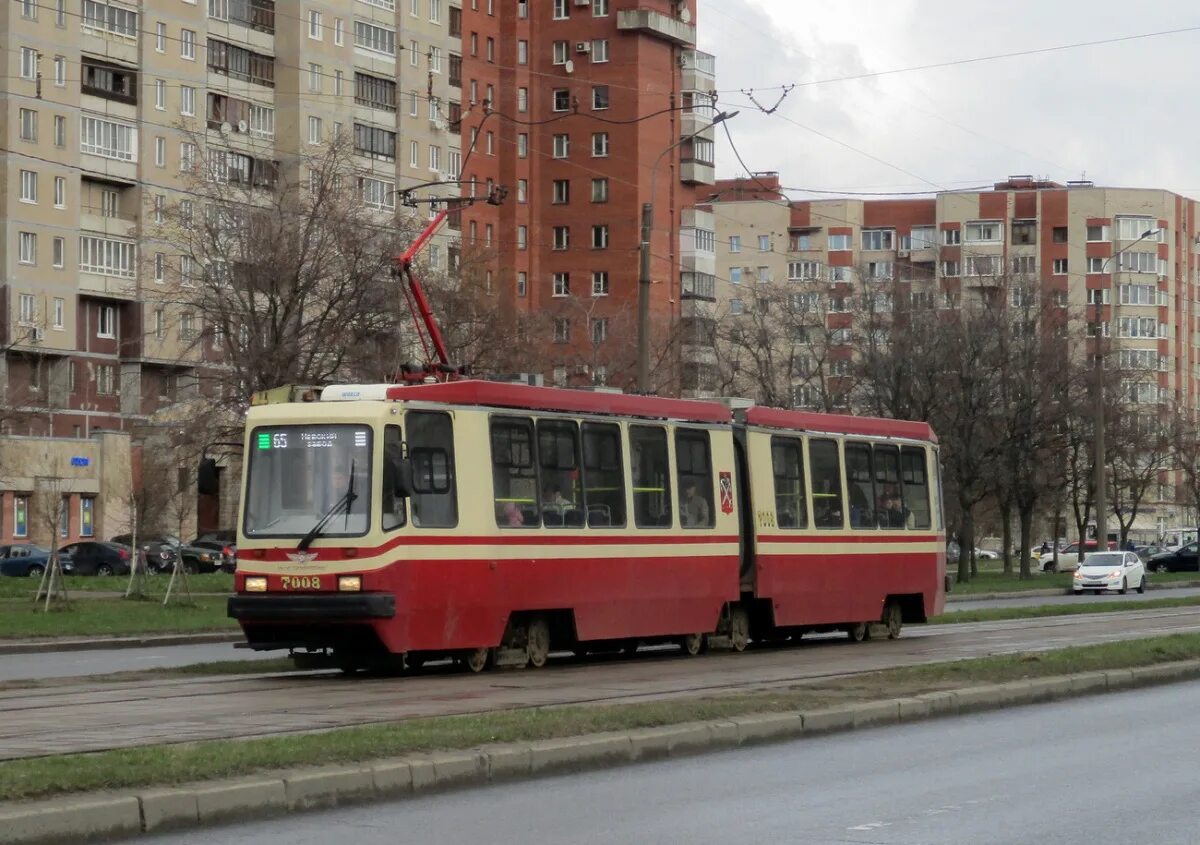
x,y
1118,114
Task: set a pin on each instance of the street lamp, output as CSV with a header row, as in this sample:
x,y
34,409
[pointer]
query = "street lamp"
x,y
1101,505
643,348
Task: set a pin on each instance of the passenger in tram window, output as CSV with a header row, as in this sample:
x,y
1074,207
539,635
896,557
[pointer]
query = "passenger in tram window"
x,y
891,512
695,508
552,497
512,515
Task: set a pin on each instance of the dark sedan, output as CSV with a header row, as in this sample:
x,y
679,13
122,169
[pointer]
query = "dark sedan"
x,y
161,551
23,560
92,557
1183,559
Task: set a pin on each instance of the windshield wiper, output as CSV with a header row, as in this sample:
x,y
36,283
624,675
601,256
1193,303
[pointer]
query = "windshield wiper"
x,y
345,501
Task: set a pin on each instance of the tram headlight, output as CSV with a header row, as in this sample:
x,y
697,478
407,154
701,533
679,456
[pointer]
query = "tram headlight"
x,y
256,584
350,583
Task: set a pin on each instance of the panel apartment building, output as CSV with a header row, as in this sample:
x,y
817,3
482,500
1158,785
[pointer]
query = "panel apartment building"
x,y
107,101
952,246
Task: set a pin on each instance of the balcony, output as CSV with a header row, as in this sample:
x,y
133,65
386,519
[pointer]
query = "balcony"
x,y
658,25
699,70
701,286
695,172
695,121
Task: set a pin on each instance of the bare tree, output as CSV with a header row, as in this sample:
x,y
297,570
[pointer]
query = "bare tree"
x,y
1141,452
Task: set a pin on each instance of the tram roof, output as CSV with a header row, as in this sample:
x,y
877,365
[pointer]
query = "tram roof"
x,y
839,423
527,397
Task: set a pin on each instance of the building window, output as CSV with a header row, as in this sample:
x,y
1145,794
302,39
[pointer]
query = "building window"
x,y
314,25
522,100
187,44
562,10
20,516
878,239
562,146
160,37
599,145
107,138
562,330
27,310
1024,265
160,324
29,186
839,243
29,63
735,306
562,237
28,119
600,283
60,251
599,53
60,130
522,283
599,97
522,52
599,330
561,191
522,236
105,383
106,322
562,284
950,268
1060,266
735,275
87,516
600,237
27,248
1059,234
562,99
314,130
561,52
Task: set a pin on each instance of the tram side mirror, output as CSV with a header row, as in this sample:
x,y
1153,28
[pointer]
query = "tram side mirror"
x,y
397,476
207,477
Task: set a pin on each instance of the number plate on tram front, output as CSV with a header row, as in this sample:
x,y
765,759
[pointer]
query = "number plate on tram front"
x,y
300,582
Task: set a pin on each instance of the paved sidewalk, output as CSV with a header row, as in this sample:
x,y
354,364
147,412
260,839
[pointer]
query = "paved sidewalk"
x,y
153,809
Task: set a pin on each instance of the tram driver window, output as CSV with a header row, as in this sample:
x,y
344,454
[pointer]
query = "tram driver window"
x,y
692,460
558,458
431,449
889,507
514,475
916,487
825,468
791,508
651,476
393,453
860,485
603,475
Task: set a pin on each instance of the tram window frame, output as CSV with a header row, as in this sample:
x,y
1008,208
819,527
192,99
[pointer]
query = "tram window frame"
x,y
561,468
610,466
432,498
393,506
779,446
864,521
890,512
506,504
820,473
653,437
920,463
688,473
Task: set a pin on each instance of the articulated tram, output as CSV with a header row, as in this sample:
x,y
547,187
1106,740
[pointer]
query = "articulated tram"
x,y
493,523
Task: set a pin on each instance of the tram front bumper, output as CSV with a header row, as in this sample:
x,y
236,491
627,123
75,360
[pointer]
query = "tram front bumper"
x,y
309,608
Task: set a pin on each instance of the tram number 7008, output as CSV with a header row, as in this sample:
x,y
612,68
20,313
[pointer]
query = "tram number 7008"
x,y
300,582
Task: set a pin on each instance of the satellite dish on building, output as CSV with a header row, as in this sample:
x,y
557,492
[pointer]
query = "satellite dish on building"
x,y
225,128
685,14
569,67
242,126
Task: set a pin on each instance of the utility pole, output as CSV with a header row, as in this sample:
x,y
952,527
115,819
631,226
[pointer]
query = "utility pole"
x,y
1098,437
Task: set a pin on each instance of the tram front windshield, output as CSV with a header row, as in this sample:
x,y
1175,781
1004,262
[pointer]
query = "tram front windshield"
x,y
298,473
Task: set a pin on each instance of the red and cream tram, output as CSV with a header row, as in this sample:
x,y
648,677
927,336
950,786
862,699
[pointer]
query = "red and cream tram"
x,y
494,522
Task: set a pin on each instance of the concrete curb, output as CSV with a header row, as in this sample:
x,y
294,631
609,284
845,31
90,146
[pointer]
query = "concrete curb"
x,y
103,816
104,643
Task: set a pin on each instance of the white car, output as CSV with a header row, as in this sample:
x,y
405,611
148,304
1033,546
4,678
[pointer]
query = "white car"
x,y
1117,571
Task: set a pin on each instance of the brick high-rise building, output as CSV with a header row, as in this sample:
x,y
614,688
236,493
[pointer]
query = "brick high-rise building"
x,y
584,110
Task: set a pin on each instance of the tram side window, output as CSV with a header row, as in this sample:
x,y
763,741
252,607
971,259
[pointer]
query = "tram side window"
x,y
651,476
694,465
889,509
825,468
860,485
558,457
393,505
514,475
603,475
916,487
431,448
787,460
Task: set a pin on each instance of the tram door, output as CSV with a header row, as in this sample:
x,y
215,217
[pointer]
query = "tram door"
x,y
745,508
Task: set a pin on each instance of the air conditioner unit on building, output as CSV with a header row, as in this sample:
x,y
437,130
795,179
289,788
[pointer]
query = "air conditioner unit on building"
x,y
438,123
583,47
903,253
37,335
583,2
443,176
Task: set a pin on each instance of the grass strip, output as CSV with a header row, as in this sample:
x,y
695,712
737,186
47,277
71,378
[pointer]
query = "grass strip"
x,y
211,582
992,579
20,618
993,614
174,764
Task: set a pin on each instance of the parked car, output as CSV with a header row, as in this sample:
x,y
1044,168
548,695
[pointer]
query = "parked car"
x,y
986,554
1148,551
1110,571
162,550
24,560
224,542
1183,559
93,557
1068,558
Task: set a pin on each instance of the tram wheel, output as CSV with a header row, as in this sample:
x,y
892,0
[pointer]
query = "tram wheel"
x,y
858,632
537,641
414,661
477,659
739,628
692,644
893,620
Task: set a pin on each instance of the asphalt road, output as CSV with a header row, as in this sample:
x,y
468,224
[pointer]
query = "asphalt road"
x,y
85,715
1093,771
1037,601
66,664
